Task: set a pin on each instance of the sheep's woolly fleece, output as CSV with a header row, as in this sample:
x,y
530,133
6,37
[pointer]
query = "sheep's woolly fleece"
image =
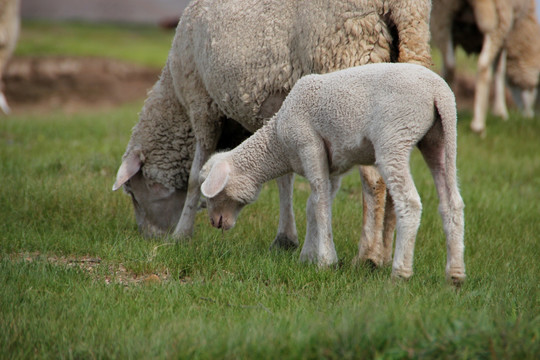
x,y
242,54
514,25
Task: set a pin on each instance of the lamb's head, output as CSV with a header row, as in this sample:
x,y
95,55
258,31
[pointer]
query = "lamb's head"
x,y
226,191
157,207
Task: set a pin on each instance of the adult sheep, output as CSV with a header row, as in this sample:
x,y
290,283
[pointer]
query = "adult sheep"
x,y
505,33
329,123
9,33
238,59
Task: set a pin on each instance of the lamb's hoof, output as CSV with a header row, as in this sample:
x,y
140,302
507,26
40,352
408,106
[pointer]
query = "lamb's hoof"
x,y
320,261
284,242
401,275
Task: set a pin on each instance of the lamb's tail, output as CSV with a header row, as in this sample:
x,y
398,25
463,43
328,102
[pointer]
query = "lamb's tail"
x,y
445,103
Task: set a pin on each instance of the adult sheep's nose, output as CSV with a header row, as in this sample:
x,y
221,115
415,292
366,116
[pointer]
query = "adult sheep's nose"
x,y
218,224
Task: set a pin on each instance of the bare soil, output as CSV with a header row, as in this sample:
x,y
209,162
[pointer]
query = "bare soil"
x,y
75,83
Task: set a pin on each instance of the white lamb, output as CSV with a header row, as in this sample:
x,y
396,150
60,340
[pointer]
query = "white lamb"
x,y
371,114
237,59
9,33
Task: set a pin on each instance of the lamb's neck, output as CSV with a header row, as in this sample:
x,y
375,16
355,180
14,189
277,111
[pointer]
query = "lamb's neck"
x,y
261,157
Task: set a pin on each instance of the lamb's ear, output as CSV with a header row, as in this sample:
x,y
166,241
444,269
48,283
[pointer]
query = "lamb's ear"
x,y
216,180
130,166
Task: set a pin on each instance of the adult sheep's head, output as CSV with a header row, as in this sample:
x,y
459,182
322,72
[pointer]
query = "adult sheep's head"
x,y
226,192
157,207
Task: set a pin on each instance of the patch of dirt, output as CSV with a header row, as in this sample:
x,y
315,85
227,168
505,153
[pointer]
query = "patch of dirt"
x,y
114,274
72,83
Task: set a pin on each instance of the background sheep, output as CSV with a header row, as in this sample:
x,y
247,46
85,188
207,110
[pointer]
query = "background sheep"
x,y
327,124
9,33
238,59
493,28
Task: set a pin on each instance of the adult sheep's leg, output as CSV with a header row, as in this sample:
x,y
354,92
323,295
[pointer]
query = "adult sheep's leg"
x,y
207,128
499,102
287,236
184,229
528,98
389,230
4,104
490,48
449,62
371,245
395,170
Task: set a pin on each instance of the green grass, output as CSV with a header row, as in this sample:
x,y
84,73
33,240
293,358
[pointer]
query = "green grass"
x,y
144,45
228,296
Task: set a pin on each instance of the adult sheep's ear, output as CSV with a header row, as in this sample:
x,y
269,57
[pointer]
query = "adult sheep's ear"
x,y
216,180
130,166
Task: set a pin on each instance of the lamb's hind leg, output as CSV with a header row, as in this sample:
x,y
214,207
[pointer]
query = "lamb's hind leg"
x,y
287,236
395,170
450,207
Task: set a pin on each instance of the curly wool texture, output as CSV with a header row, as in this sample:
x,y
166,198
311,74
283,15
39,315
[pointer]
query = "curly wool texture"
x,y
230,58
164,136
523,49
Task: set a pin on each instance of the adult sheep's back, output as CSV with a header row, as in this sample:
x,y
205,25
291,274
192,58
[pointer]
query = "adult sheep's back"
x,y
245,53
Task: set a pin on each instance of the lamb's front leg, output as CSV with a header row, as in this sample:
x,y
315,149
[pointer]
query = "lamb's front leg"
x,y
319,244
287,236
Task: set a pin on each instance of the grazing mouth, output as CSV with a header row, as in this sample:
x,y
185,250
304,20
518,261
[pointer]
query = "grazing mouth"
x,y
219,224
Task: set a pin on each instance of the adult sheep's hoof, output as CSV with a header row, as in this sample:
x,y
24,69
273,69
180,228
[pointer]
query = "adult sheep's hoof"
x,y
370,263
455,278
480,129
284,242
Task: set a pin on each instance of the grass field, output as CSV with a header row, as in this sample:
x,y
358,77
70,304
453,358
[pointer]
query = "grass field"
x,y
79,282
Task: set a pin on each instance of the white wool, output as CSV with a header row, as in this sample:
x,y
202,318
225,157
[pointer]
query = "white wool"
x,y
372,114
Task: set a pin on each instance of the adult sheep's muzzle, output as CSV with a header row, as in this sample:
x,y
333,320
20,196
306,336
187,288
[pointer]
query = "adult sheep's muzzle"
x,y
222,222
